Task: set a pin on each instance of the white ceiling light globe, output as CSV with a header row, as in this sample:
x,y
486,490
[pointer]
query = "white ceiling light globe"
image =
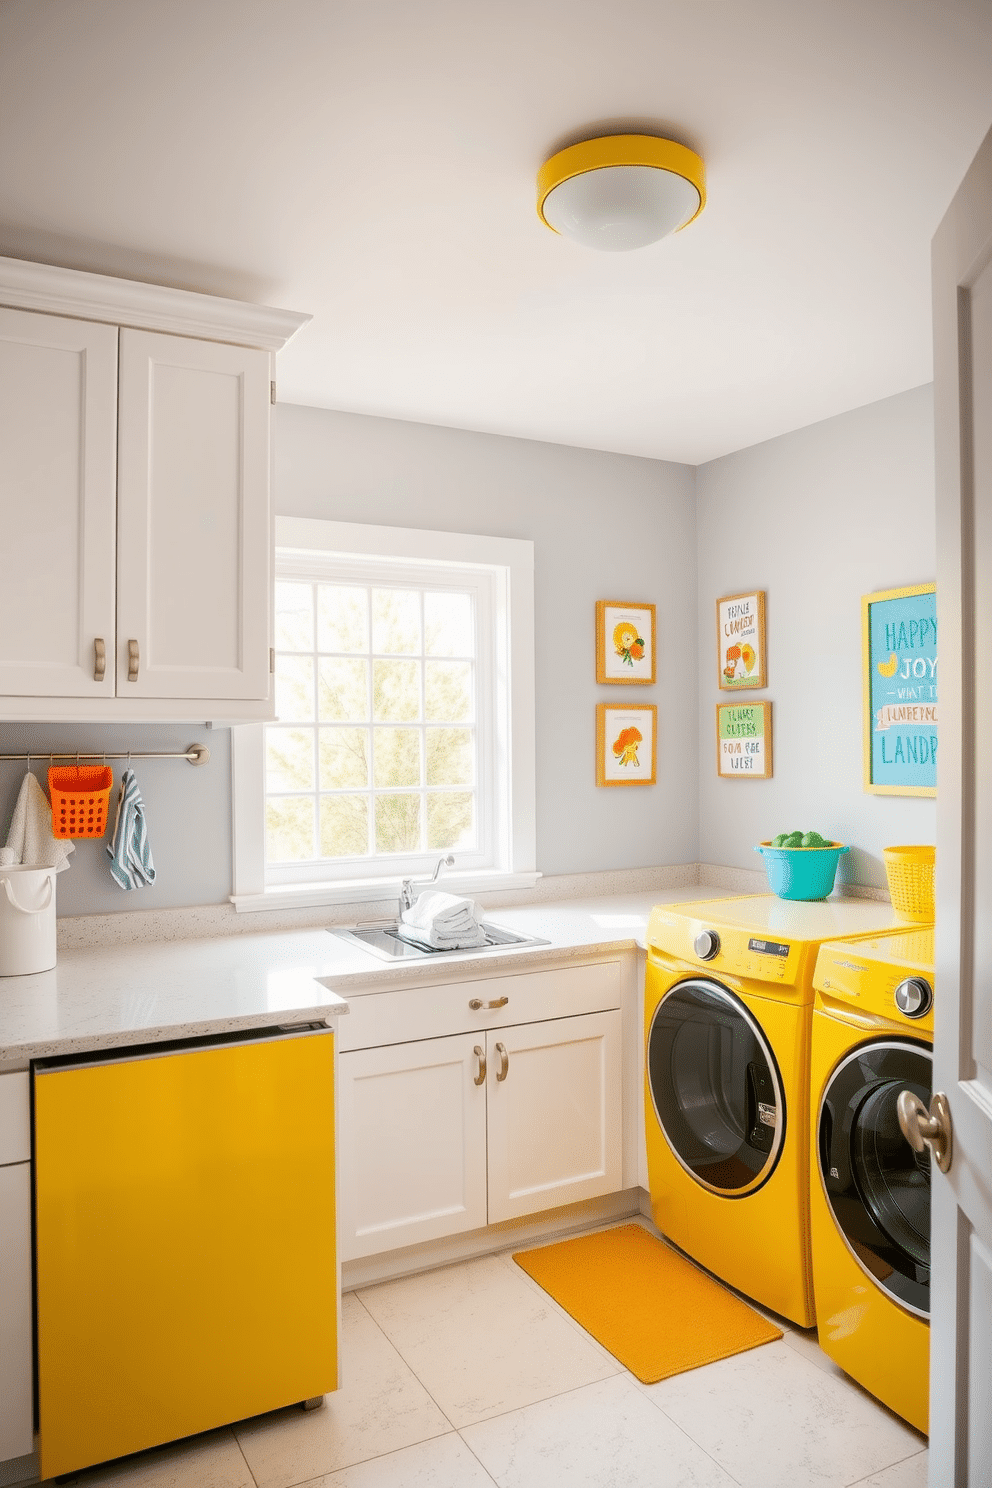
x,y
621,192
621,206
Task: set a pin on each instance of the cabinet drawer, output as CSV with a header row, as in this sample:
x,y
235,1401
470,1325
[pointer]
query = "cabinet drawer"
x,y
431,1012
15,1118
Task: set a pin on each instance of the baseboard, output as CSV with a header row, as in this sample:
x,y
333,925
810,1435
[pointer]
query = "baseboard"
x,y
552,1224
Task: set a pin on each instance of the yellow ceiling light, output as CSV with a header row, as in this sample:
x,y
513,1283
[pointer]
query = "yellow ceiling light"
x,y
622,191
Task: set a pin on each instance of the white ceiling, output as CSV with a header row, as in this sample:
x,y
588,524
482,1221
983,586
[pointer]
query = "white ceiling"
x,y
374,163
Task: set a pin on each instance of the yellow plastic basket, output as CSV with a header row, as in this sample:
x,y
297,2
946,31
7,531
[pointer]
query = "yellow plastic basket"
x,y
910,874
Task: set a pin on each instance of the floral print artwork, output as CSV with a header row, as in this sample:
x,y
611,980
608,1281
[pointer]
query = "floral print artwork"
x,y
625,746
628,645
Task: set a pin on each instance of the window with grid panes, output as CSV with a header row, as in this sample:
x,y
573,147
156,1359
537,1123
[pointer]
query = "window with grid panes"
x,y
382,747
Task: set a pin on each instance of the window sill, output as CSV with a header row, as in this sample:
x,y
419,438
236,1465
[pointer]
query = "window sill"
x,y
373,890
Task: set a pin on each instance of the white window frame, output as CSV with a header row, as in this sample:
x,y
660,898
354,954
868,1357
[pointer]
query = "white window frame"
x,y
511,807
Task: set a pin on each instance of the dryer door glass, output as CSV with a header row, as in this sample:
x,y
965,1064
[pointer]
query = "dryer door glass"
x,y
715,1087
877,1186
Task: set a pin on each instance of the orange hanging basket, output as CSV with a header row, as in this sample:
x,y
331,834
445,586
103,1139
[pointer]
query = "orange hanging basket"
x,y
80,797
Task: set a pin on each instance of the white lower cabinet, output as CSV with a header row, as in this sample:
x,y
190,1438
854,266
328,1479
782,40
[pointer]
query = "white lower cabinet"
x,y
447,1134
16,1363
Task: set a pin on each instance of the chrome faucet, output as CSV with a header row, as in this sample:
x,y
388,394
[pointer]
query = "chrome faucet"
x,y
407,896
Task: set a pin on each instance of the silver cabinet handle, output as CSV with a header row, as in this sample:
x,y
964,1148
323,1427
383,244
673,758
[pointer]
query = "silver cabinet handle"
x,y
504,1063
475,1003
480,1078
99,659
132,661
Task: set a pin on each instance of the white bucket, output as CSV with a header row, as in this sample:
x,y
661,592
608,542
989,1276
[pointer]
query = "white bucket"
x,y
27,919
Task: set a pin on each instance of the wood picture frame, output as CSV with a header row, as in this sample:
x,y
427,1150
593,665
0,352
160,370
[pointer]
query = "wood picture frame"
x,y
625,641
744,740
899,669
626,743
740,641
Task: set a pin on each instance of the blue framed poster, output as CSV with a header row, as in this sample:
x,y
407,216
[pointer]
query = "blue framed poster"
x,y
899,637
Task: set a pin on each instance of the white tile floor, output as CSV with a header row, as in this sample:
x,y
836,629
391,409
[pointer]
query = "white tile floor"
x,y
471,1376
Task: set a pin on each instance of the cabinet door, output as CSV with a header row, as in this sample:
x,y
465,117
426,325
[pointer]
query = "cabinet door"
x,y
413,1144
193,573
554,1114
16,1361
58,432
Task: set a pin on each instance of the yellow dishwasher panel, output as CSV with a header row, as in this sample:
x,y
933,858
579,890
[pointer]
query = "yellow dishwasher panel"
x,y
185,1239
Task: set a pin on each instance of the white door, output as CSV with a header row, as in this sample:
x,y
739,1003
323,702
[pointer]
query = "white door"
x,y
554,1114
58,457
194,541
412,1143
961,1294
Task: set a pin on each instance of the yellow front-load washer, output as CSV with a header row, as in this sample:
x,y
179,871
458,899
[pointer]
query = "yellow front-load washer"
x,y
728,1007
870,1192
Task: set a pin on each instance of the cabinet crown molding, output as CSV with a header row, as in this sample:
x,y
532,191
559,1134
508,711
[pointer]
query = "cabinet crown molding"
x,y
151,307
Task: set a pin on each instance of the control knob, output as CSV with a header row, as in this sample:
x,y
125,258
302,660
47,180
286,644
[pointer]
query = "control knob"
x,y
914,997
706,944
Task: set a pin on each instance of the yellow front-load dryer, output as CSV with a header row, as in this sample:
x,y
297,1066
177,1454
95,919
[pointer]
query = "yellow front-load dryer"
x,y
728,1007
870,1192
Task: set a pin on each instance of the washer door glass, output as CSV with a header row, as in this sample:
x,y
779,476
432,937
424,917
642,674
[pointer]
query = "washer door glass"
x,y
715,1087
877,1186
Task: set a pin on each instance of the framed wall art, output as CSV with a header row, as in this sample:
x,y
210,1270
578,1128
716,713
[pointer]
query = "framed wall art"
x,y
626,743
899,644
740,631
625,641
744,741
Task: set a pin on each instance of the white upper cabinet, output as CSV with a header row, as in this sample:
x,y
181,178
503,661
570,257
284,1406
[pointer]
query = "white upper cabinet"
x,y
193,539
58,463
134,499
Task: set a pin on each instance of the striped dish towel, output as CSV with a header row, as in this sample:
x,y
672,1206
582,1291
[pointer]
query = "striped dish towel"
x,y
131,857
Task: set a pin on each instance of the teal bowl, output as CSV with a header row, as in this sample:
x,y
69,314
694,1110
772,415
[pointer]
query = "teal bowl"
x,y
801,872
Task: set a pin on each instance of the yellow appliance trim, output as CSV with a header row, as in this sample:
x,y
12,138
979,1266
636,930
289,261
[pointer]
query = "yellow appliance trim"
x,y
185,1243
621,149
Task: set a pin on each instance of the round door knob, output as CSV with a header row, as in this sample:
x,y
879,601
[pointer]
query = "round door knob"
x,y
706,944
914,997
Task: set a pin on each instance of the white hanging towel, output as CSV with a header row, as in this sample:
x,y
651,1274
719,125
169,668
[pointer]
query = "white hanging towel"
x,y
131,857
30,841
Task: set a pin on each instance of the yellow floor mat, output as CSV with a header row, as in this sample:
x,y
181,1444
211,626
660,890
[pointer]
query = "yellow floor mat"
x,y
655,1311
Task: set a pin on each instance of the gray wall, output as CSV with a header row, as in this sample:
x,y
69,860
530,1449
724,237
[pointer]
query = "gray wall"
x,y
816,518
187,810
604,527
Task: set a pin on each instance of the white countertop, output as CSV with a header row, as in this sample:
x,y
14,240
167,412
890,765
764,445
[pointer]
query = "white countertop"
x,y
147,992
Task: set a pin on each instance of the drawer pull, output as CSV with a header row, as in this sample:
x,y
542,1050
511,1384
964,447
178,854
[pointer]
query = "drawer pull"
x,y
99,659
475,1003
504,1063
132,661
480,1078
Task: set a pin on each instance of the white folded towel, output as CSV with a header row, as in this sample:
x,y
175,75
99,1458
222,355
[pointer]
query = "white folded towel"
x,y
30,841
131,855
444,921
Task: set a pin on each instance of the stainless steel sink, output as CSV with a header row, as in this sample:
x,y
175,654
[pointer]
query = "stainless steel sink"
x,y
384,940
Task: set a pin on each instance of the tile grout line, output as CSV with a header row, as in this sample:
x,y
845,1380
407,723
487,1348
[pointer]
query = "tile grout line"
x,y
859,1482
682,1431
244,1459
409,1366
469,1448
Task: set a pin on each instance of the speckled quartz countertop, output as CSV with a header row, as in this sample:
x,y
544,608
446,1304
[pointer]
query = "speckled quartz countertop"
x,y
146,992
